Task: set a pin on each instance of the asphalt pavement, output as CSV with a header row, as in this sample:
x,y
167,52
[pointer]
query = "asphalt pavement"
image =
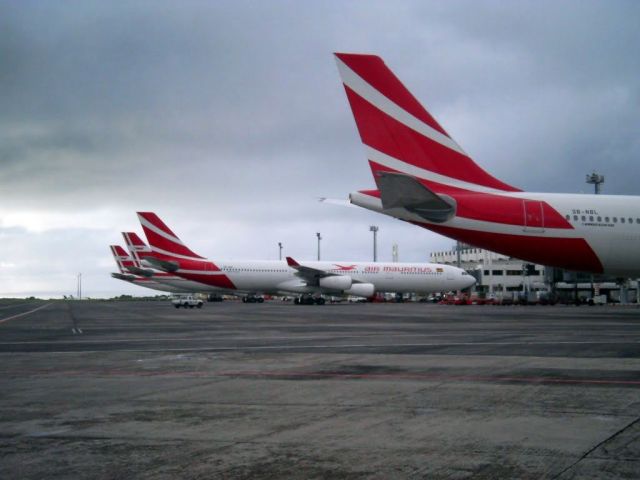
x,y
276,390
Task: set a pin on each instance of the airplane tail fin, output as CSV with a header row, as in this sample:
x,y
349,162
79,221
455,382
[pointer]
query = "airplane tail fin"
x,y
123,260
136,246
400,135
162,240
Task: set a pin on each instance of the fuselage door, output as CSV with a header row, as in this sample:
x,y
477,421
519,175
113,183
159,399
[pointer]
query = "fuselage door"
x,y
449,273
533,216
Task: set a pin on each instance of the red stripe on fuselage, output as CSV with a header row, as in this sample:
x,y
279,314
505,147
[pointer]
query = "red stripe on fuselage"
x,y
220,281
373,70
387,135
568,253
487,207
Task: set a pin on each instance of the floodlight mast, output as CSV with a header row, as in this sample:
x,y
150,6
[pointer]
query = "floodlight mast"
x,y
319,238
596,179
374,229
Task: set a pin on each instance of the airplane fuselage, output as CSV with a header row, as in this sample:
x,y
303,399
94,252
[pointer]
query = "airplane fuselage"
x,y
278,277
582,232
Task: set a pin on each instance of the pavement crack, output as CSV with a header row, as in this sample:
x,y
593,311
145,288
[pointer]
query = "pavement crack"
x,y
593,449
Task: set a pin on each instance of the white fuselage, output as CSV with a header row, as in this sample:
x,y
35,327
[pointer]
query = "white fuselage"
x,y
278,277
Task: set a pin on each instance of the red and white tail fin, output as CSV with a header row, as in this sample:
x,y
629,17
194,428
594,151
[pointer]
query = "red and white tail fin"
x,y
162,240
400,135
122,258
136,246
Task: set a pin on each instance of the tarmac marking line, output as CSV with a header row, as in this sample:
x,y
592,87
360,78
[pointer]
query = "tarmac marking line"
x,y
324,337
238,348
337,345
24,313
293,375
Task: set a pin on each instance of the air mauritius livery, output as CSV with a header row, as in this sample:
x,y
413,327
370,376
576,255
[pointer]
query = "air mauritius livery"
x,y
125,263
138,249
424,177
361,279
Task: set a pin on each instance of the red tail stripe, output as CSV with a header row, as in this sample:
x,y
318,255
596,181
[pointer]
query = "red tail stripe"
x,y
155,221
387,135
162,243
374,71
136,240
119,251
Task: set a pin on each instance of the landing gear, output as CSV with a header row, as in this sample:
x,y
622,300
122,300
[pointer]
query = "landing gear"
x,y
252,299
308,300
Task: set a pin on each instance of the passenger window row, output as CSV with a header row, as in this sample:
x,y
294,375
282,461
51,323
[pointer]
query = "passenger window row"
x,y
600,219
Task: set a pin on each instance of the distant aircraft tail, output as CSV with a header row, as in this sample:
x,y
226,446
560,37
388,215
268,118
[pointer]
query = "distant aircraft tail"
x,y
162,240
400,136
122,258
169,254
138,250
136,246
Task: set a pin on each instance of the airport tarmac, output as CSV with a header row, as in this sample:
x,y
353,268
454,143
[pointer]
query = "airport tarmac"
x,y
275,390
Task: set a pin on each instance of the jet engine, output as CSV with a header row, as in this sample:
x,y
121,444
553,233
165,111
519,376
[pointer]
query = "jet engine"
x,y
362,290
336,282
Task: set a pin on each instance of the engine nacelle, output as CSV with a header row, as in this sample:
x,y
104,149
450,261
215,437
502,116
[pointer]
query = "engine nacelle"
x,y
362,290
336,282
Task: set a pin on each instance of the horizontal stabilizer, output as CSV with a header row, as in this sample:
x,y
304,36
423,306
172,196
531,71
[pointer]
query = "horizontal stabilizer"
x,y
163,265
404,192
143,272
336,201
123,276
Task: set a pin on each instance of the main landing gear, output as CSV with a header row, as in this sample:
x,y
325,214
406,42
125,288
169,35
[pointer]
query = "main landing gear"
x,y
308,300
252,299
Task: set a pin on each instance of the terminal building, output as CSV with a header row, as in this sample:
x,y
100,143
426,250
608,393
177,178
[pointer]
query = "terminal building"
x,y
502,276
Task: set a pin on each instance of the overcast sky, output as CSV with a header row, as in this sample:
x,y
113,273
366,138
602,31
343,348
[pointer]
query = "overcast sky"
x,y
229,119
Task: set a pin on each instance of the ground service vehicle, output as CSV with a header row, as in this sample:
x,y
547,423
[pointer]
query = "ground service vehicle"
x,y
187,301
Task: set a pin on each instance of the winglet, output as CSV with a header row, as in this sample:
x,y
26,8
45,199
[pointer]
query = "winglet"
x,y
292,263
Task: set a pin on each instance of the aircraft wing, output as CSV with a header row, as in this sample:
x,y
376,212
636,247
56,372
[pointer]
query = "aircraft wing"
x,y
310,275
399,191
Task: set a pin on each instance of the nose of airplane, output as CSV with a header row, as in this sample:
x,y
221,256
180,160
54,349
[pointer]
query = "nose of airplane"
x,y
469,281
464,280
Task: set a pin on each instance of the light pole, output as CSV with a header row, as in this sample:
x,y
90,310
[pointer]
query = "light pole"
x,y
80,286
280,247
319,238
374,229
